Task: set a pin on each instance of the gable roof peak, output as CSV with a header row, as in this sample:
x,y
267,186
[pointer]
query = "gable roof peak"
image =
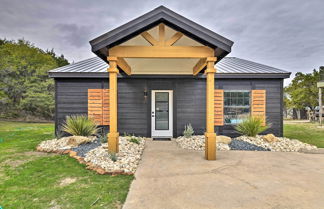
x,y
102,43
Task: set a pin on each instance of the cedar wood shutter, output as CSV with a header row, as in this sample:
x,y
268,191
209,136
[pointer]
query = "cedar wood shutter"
x,y
219,107
258,104
98,105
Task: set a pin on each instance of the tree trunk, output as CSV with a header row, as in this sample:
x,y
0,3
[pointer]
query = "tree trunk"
x,y
298,114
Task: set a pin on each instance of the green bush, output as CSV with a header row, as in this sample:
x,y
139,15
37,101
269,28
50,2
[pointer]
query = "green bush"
x,y
251,126
134,139
188,131
80,125
113,156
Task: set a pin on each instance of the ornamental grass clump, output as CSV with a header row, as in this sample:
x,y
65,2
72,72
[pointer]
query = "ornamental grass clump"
x,y
80,125
188,131
251,126
134,140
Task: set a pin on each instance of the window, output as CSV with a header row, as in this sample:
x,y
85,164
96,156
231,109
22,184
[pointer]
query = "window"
x,y
236,106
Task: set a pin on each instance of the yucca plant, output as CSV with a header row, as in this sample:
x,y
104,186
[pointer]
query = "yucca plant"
x,y
188,131
251,126
80,125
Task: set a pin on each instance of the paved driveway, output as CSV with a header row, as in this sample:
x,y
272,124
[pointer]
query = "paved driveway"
x,y
170,177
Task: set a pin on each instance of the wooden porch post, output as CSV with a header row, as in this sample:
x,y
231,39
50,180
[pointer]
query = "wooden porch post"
x,y
113,134
210,136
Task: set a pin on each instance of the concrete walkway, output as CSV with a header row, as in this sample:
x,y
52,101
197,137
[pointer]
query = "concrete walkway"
x,y
170,177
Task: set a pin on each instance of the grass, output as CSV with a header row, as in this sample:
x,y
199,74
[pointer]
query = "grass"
x,y
32,180
305,132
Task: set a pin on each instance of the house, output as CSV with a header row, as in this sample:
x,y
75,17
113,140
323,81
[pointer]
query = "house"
x,y
161,71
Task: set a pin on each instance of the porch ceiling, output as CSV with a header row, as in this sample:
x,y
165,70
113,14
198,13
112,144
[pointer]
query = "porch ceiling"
x,y
141,66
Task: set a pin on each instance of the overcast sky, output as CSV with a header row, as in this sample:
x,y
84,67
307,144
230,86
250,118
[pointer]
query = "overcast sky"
x,y
287,34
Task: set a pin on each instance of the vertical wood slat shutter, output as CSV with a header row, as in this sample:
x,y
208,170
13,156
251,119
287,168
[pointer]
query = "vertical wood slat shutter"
x,y
258,106
219,107
98,105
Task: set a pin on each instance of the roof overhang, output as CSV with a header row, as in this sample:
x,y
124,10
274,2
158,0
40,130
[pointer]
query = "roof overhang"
x,y
218,43
217,75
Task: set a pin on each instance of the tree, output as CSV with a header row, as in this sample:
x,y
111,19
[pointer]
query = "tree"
x,y
25,88
303,91
60,60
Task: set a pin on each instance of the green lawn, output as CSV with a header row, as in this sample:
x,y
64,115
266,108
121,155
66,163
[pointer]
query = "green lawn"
x,y
305,132
34,180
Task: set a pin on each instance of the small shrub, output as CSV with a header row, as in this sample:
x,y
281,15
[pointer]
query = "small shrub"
x,y
126,134
113,156
80,125
103,138
251,126
188,131
134,139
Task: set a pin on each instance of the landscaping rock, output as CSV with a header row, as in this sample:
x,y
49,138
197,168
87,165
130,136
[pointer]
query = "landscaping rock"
x,y
75,141
65,143
72,153
127,161
281,145
197,142
242,145
270,138
83,149
223,139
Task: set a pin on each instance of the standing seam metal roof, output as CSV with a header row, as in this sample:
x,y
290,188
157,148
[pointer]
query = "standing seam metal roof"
x,y
228,65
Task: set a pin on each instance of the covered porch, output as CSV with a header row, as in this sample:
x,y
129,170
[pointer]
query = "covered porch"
x,y
161,43
162,49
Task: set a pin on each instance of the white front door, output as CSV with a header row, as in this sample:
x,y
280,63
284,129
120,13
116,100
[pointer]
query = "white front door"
x,y
162,114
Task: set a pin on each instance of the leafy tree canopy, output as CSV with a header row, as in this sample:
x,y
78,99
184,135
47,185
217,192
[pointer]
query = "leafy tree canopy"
x,y
25,88
302,91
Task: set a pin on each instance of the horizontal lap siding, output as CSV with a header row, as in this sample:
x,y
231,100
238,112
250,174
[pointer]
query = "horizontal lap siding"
x,y
132,108
72,97
189,101
274,92
191,104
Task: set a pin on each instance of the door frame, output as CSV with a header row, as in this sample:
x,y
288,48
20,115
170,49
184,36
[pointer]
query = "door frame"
x,y
161,133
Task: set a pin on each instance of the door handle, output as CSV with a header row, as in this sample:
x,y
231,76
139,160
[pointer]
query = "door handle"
x,y
153,115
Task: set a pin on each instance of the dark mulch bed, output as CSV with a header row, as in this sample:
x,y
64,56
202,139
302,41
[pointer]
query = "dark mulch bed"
x,y
242,145
83,149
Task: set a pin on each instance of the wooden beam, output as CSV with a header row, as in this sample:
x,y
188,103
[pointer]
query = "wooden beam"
x,y
161,34
199,66
149,38
210,136
121,62
161,51
113,135
173,39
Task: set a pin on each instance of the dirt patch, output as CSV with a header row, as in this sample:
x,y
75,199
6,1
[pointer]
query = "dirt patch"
x,y
118,205
28,156
67,181
15,163
54,205
37,154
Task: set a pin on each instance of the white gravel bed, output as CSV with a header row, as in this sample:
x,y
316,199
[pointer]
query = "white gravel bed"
x,y
281,145
128,156
197,142
64,143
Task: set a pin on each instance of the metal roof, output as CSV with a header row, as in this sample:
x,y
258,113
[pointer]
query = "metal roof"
x,y
158,15
227,67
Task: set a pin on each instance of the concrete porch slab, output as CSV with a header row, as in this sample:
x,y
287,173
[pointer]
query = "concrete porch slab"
x,y
170,177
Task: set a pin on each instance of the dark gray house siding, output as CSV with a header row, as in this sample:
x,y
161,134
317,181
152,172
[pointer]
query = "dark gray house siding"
x,y
134,109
